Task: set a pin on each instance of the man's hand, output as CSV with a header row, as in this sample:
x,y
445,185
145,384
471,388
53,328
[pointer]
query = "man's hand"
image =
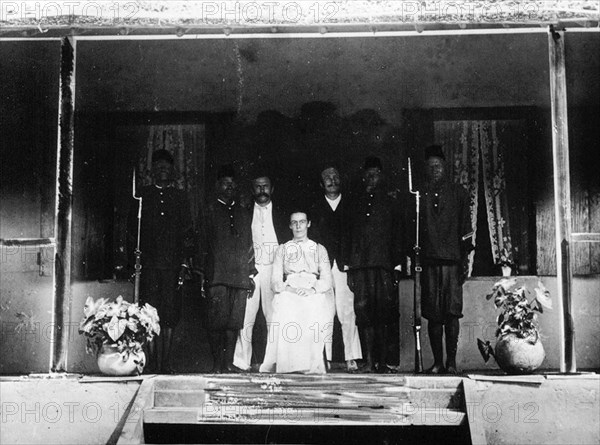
x,y
397,276
184,274
464,271
202,281
251,287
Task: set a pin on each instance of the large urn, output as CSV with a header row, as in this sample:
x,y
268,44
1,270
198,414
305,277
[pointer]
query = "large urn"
x,y
113,362
516,355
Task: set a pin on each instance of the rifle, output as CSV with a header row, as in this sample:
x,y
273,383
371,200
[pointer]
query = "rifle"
x,y
417,277
137,252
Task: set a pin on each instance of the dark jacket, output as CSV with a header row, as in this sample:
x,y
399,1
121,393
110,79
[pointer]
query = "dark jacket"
x,y
330,228
445,221
281,222
166,236
376,232
225,239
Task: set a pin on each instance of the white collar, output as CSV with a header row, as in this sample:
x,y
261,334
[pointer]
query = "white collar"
x,y
307,240
334,200
224,203
267,207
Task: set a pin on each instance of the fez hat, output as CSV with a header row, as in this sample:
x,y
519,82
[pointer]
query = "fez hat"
x,y
162,155
434,151
372,162
225,171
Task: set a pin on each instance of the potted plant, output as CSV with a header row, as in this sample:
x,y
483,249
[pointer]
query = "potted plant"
x,y
116,333
506,267
518,347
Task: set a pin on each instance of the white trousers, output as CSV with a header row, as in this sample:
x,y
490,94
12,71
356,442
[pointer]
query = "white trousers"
x,y
344,308
262,294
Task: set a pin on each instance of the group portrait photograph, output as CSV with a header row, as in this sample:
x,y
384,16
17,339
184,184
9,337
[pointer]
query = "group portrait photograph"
x,y
337,222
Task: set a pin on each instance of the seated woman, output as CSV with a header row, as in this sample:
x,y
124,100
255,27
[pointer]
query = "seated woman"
x,y
303,304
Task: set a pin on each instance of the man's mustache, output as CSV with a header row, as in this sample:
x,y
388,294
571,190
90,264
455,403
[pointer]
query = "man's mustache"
x,y
266,195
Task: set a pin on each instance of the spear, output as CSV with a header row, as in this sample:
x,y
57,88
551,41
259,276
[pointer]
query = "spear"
x,y
138,252
418,270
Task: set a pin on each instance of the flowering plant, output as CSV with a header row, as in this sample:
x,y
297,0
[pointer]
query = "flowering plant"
x,y
120,323
506,256
519,313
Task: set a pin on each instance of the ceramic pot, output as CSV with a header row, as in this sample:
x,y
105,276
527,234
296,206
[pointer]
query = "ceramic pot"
x,y
112,362
517,355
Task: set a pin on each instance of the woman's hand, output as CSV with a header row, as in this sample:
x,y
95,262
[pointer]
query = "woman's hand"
x,y
305,292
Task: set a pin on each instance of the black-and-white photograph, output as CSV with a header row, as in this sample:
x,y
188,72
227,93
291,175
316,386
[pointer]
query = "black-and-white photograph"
x,y
337,222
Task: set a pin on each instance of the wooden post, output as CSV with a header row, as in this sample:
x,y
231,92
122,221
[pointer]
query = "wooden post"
x,y
562,196
61,303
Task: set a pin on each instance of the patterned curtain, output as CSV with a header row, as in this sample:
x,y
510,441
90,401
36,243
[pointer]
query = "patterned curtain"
x,y
186,144
494,180
464,142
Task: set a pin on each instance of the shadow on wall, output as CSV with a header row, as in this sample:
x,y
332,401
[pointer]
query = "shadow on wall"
x,y
293,150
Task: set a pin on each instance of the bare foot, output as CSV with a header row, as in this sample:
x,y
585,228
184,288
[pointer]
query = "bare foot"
x,y
436,369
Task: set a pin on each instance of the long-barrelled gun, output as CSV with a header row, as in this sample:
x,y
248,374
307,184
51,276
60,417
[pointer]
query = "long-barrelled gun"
x,y
417,277
137,252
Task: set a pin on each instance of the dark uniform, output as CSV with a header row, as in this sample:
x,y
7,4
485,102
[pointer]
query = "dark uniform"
x,y
375,248
446,219
165,242
447,240
229,262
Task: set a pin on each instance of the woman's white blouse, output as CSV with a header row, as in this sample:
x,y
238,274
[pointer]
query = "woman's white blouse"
x,y
295,260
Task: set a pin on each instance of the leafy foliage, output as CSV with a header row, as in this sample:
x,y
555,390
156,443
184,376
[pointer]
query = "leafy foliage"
x,y
119,322
519,311
486,349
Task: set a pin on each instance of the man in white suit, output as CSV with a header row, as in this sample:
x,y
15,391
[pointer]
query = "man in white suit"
x,y
269,229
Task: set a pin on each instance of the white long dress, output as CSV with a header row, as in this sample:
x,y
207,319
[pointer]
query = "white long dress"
x,y
299,328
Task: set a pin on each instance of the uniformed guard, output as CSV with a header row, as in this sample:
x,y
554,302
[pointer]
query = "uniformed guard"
x,y
446,242
376,249
166,242
228,265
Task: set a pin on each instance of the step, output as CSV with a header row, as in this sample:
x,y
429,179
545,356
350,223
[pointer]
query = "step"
x,y
432,398
403,415
272,392
283,401
307,400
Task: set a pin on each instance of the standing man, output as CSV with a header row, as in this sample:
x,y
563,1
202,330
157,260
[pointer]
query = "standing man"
x,y
329,222
269,229
376,249
166,240
228,267
447,241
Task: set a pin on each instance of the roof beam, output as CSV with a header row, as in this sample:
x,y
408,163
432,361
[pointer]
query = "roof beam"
x,y
383,29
